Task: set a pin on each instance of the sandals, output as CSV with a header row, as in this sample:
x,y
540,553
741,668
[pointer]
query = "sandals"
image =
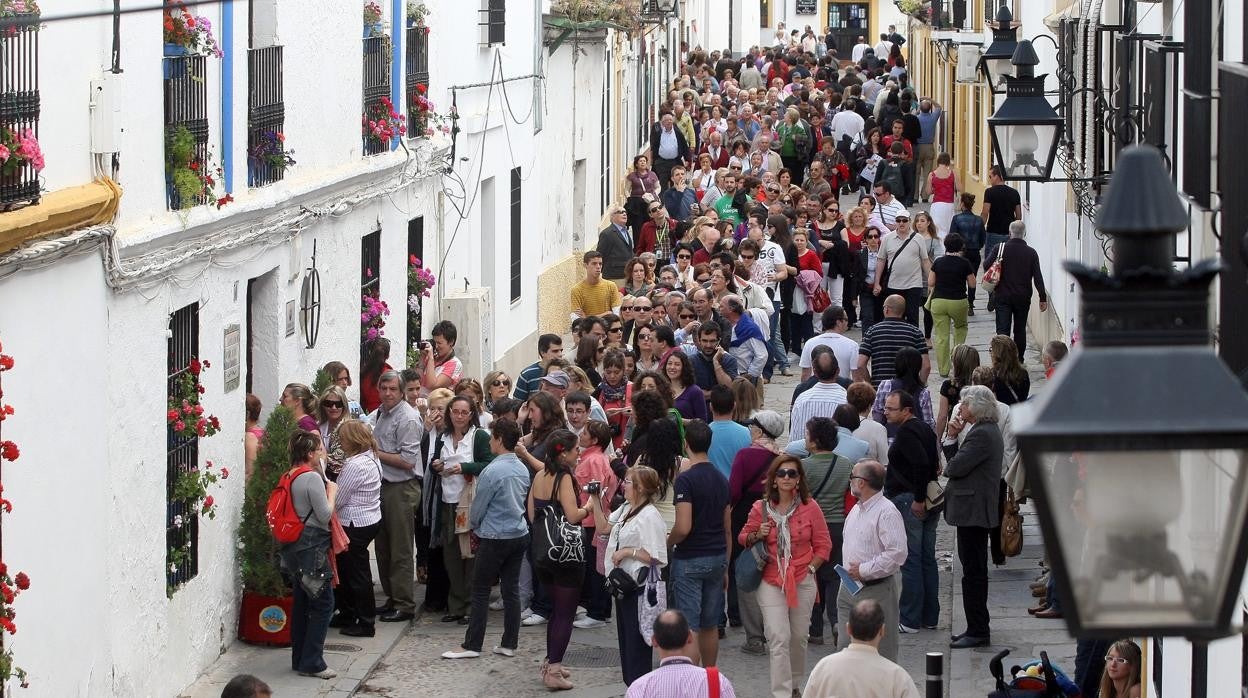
x,y
422,575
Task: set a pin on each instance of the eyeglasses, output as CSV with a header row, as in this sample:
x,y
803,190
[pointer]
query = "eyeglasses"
x,y
1116,660
500,382
332,404
786,473
891,409
857,477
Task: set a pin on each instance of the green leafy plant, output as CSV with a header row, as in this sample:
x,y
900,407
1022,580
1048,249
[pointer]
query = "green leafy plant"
x,y
321,383
417,12
258,551
192,177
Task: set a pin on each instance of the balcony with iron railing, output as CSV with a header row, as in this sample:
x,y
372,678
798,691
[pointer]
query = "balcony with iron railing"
x,y
267,154
19,113
417,77
376,97
189,176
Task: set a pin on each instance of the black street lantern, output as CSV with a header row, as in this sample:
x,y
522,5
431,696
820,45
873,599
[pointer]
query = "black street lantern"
x,y
1025,129
994,63
1137,453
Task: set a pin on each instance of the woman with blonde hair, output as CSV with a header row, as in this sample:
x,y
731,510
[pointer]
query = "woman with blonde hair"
x,y
746,399
637,540
928,235
1012,384
298,398
497,387
358,506
430,566
331,414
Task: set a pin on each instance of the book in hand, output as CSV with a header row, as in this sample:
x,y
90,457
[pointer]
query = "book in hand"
x,y
849,583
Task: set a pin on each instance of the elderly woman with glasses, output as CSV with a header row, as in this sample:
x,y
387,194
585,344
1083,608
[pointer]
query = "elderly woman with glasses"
x,y
791,524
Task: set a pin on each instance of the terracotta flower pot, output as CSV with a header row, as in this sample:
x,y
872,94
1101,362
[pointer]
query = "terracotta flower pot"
x,y
265,620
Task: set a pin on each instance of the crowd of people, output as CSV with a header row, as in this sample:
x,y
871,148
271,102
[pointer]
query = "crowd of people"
x,y
636,477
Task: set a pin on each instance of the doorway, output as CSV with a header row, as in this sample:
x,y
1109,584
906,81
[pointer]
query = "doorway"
x,y
264,329
846,22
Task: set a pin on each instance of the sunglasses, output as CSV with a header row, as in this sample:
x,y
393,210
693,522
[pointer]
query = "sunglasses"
x,y
501,382
873,237
785,473
643,337
902,219
641,308
654,210
616,329
833,210
747,257
703,279
334,404
688,317
683,256
626,308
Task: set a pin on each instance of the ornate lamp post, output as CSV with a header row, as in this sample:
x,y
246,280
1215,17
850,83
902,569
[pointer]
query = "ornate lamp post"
x,y
1138,451
994,63
1025,129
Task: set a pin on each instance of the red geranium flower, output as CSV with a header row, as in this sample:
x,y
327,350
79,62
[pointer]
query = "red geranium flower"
x,y
6,362
22,581
8,451
195,367
208,501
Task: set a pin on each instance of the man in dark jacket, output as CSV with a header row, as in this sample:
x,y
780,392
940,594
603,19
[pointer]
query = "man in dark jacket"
x,y
1020,268
974,470
616,245
668,148
913,462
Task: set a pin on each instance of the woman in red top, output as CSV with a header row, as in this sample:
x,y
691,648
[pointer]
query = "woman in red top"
x,y
374,365
797,539
801,319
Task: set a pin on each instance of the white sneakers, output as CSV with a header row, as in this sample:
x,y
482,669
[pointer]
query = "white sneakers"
x,y
325,673
588,622
534,619
462,654
496,605
906,630
504,651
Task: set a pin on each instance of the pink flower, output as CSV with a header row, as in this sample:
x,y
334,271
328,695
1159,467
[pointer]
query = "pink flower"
x,y
4,153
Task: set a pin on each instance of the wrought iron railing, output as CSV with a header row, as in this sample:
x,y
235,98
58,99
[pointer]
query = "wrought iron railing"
x,y
186,106
266,117
182,455
417,75
19,107
376,85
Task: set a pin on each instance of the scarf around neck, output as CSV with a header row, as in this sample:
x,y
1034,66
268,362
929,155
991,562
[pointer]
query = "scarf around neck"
x,y
784,539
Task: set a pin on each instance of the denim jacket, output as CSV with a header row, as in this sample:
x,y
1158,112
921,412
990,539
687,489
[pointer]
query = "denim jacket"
x,y
970,227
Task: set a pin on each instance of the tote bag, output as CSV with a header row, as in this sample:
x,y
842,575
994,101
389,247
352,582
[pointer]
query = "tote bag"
x,y
653,602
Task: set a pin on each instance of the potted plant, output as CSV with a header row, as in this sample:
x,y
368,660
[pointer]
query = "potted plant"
x,y
381,124
416,14
190,178
269,154
186,35
372,20
425,118
18,150
26,11
264,614
420,283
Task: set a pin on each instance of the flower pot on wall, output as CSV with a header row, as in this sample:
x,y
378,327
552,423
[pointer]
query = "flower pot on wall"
x,y
174,66
265,620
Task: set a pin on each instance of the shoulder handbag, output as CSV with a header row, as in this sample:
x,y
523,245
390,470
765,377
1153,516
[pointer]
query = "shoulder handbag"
x,y
935,493
1011,526
556,541
653,602
888,268
993,276
750,563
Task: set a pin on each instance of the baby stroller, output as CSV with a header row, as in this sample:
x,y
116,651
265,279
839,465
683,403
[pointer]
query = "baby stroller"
x,y
1042,682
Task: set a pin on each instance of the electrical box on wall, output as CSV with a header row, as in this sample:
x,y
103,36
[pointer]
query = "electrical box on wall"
x,y
471,311
106,124
968,63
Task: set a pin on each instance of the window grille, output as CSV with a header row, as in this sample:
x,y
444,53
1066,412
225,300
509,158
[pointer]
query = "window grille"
x,y
493,22
417,74
516,223
19,104
376,86
186,106
182,454
266,116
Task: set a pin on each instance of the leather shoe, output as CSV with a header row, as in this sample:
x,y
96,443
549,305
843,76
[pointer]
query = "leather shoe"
x,y
955,638
1048,613
1040,593
450,618
396,616
968,641
1038,608
383,609
463,620
341,620
359,630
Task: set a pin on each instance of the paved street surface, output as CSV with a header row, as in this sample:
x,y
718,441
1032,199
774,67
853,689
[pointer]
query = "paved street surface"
x,y
398,663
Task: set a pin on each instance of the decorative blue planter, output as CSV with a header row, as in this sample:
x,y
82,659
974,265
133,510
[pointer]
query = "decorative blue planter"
x,y
374,30
173,66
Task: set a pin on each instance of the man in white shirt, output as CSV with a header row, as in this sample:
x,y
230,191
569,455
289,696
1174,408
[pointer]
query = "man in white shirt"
x,y
883,48
859,49
847,122
859,670
771,159
835,322
820,400
677,676
874,549
887,207
747,343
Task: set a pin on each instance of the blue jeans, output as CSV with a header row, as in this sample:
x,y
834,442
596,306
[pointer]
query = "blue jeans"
x,y
309,621
779,356
920,580
698,584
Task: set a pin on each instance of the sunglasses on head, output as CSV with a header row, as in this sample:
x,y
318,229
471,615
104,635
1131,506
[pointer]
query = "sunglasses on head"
x,y
334,404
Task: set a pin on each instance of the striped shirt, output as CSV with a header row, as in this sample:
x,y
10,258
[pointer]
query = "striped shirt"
x,y
881,342
358,502
887,212
874,539
821,400
677,677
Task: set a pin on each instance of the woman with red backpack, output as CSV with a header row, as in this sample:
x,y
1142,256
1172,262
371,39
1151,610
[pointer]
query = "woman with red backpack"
x,y
306,559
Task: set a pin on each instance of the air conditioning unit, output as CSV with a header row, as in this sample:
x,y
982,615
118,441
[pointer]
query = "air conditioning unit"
x,y
968,63
472,312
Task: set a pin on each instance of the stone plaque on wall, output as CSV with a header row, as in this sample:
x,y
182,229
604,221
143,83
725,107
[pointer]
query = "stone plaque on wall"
x,y
232,357
807,7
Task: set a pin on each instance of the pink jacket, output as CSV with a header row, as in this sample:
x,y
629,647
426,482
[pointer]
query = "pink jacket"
x,y
808,531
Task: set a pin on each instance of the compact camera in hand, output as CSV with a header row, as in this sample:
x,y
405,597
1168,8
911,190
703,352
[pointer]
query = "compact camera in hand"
x,y
594,487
